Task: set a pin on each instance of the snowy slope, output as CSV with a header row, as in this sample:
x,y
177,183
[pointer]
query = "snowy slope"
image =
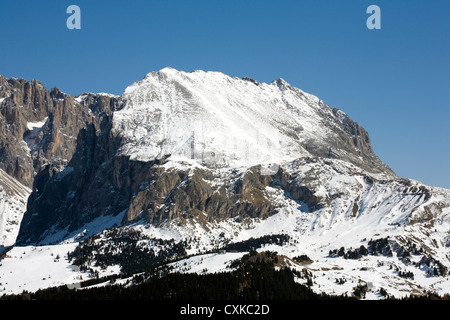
x,y
166,110
13,201
386,209
222,121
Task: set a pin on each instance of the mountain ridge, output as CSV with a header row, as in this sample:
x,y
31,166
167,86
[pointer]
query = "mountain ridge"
x,y
153,115
188,158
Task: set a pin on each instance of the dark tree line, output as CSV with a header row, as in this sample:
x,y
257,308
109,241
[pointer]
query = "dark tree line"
x,y
431,266
406,274
302,259
434,268
349,254
374,248
256,243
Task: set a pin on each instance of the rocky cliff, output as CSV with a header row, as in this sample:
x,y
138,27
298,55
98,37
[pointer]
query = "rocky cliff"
x,y
158,152
39,128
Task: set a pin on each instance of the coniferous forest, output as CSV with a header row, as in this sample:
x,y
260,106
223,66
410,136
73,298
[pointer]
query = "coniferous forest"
x,y
253,278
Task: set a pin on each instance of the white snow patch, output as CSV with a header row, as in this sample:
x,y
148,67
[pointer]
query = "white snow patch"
x,y
13,201
36,125
32,268
89,229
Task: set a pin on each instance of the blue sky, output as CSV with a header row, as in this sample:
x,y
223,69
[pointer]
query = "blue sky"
x,y
393,81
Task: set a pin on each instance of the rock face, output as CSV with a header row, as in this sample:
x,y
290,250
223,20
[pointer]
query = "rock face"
x,y
68,196
40,127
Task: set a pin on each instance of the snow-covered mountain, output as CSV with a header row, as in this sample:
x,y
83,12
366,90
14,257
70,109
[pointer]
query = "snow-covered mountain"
x,y
201,167
230,122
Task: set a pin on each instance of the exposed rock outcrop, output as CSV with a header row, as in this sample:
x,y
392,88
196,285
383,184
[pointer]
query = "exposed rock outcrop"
x,y
39,127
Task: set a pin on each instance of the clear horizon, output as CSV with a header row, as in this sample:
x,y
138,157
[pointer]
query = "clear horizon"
x,y
393,81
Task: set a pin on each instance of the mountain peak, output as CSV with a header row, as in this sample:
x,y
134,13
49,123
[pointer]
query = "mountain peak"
x,y
219,120
281,81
